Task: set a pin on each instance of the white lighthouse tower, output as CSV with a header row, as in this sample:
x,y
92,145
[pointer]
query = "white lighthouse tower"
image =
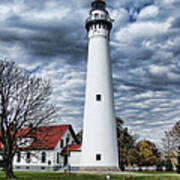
x,y
99,147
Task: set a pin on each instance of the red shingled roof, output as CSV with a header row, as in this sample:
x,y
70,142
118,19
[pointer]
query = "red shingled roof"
x,y
46,137
72,147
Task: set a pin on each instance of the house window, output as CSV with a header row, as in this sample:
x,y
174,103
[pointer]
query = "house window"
x,y
98,157
28,157
19,157
98,97
61,143
67,139
58,158
43,160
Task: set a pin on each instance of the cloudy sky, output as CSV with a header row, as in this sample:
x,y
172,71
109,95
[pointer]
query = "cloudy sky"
x,y
48,38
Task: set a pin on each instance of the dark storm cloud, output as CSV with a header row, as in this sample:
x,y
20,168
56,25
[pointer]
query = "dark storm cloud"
x,y
48,39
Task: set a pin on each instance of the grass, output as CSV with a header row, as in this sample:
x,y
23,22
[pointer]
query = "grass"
x,y
77,176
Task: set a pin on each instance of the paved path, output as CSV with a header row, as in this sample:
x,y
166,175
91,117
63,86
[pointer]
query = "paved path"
x,y
126,173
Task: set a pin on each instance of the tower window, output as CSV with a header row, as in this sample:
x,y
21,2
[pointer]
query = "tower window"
x,y
98,97
98,157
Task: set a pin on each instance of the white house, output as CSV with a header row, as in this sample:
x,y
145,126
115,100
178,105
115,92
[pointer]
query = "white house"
x,y
50,148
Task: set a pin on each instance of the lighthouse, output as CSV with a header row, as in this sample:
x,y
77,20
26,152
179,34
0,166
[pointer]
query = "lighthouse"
x,y
99,147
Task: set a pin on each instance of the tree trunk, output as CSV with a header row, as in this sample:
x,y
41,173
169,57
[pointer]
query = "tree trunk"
x,y
8,168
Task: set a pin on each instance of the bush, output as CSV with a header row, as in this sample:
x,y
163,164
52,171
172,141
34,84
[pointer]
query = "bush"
x,y
159,166
178,166
122,166
168,165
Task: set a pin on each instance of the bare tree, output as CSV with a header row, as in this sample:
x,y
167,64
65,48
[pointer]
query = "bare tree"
x,y
169,144
175,133
24,102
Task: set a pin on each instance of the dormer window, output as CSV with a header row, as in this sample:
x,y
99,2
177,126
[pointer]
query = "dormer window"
x,y
25,142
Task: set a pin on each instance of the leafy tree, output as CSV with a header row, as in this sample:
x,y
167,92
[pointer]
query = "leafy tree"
x,y
178,162
79,136
148,154
126,145
24,101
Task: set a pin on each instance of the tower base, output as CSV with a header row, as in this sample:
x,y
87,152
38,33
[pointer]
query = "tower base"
x,y
99,169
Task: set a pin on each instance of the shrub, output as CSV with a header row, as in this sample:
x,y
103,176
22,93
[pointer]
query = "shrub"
x,y
168,165
159,165
178,166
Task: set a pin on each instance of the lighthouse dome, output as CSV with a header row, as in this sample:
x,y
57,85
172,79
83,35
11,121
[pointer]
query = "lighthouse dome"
x,y
98,4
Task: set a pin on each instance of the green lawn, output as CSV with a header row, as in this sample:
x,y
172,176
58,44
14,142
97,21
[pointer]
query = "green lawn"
x,y
73,176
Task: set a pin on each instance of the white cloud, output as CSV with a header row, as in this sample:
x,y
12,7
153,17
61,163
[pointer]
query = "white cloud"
x,y
148,94
148,12
142,30
120,16
138,71
167,2
159,71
